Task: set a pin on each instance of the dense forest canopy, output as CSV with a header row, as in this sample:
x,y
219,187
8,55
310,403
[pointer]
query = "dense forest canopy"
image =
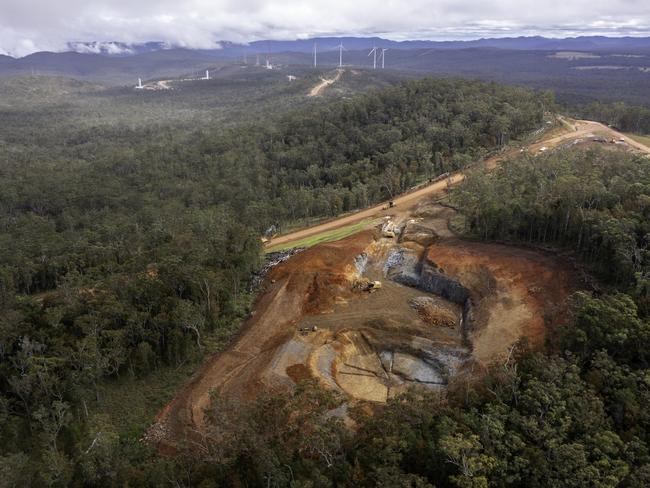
x,y
123,249
595,202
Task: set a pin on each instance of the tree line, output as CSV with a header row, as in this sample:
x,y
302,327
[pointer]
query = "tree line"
x,y
595,202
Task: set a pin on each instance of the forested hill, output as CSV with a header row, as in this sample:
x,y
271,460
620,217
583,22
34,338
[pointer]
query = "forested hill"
x,y
119,253
352,153
597,203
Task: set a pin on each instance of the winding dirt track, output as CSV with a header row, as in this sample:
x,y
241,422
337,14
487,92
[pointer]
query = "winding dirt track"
x,y
318,89
582,129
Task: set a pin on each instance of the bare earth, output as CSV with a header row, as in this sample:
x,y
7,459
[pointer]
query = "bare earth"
x,y
318,89
312,282
369,346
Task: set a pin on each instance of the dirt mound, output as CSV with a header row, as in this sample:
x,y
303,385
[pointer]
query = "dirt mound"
x,y
433,313
418,233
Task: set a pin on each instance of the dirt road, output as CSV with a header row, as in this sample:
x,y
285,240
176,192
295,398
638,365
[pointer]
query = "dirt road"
x,y
401,202
587,128
581,129
318,89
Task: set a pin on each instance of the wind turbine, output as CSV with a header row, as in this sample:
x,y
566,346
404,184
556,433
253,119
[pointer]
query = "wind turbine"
x,y
383,57
315,52
269,63
341,49
374,59
139,86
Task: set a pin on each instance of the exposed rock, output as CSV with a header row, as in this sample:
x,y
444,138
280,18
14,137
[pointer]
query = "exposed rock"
x,y
272,260
415,369
402,262
415,232
433,281
361,262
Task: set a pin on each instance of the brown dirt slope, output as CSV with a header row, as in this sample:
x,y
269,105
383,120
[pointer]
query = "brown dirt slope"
x,y
516,291
308,283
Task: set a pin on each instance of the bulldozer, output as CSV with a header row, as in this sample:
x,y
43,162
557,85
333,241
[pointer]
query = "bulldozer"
x,y
388,229
374,285
366,285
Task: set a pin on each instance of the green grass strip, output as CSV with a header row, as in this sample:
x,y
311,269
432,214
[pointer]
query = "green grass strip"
x,y
327,236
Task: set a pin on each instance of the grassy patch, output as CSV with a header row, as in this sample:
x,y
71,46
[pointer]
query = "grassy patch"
x,y
457,224
131,403
639,138
327,236
567,123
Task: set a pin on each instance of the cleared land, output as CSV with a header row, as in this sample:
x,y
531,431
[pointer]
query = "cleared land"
x,y
371,345
326,236
645,140
325,82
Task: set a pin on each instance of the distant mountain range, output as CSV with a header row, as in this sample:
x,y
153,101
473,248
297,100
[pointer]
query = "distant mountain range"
x,y
586,43
112,69
591,68
230,49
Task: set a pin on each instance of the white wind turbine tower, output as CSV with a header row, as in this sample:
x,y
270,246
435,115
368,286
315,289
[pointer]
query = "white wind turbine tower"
x,y
139,87
383,57
315,52
341,49
374,59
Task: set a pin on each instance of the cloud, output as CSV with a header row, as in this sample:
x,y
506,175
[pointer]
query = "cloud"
x,y
95,47
31,25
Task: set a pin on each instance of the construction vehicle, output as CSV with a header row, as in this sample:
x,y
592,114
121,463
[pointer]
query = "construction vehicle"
x,y
374,285
306,330
388,229
364,284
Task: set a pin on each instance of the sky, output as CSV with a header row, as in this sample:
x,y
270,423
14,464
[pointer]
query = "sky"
x,y
28,26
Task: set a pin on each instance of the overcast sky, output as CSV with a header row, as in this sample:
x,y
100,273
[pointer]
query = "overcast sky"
x,y
35,25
